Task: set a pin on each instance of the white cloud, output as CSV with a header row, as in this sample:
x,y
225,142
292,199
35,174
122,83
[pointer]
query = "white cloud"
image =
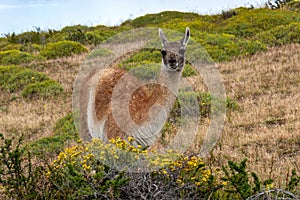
x,y
8,6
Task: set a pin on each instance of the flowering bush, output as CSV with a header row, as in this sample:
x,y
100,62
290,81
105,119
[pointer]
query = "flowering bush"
x,y
83,166
85,171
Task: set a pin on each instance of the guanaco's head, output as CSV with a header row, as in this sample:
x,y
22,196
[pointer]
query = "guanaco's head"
x,y
173,52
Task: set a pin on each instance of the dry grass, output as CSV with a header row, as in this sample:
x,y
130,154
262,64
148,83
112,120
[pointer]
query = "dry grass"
x,y
35,118
266,130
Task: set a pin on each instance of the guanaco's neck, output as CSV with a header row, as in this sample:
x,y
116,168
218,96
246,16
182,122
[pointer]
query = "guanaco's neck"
x,y
169,79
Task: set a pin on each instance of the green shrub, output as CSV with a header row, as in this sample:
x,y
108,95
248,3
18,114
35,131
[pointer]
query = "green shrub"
x,y
65,125
15,57
241,184
3,43
47,88
11,46
30,82
21,79
62,49
6,72
97,36
15,78
188,70
87,35
18,175
36,36
281,35
75,33
31,48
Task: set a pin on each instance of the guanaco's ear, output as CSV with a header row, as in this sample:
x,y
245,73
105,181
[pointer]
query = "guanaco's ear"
x,y
162,36
186,37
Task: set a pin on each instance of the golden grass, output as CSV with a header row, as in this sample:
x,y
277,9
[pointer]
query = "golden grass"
x,y
35,118
266,129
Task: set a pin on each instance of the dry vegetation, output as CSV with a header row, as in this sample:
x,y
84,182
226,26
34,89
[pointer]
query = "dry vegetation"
x,y
266,130
36,117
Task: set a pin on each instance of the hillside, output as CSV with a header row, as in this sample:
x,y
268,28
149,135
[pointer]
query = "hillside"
x,y
257,52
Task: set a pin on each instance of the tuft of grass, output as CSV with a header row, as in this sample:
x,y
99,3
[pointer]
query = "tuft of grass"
x,y
47,88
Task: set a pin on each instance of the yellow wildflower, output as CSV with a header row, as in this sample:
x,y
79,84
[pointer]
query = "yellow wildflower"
x,y
86,167
164,171
48,173
179,181
130,139
197,183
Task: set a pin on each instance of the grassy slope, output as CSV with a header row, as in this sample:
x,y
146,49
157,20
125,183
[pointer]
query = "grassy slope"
x,y
266,130
36,118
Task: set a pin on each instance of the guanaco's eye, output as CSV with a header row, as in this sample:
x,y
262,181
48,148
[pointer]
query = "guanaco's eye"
x,y
163,52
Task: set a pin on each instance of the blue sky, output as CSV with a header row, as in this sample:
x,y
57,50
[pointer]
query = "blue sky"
x,y
23,15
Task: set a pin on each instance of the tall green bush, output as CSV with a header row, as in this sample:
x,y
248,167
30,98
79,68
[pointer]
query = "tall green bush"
x,y
62,49
29,82
19,80
15,57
